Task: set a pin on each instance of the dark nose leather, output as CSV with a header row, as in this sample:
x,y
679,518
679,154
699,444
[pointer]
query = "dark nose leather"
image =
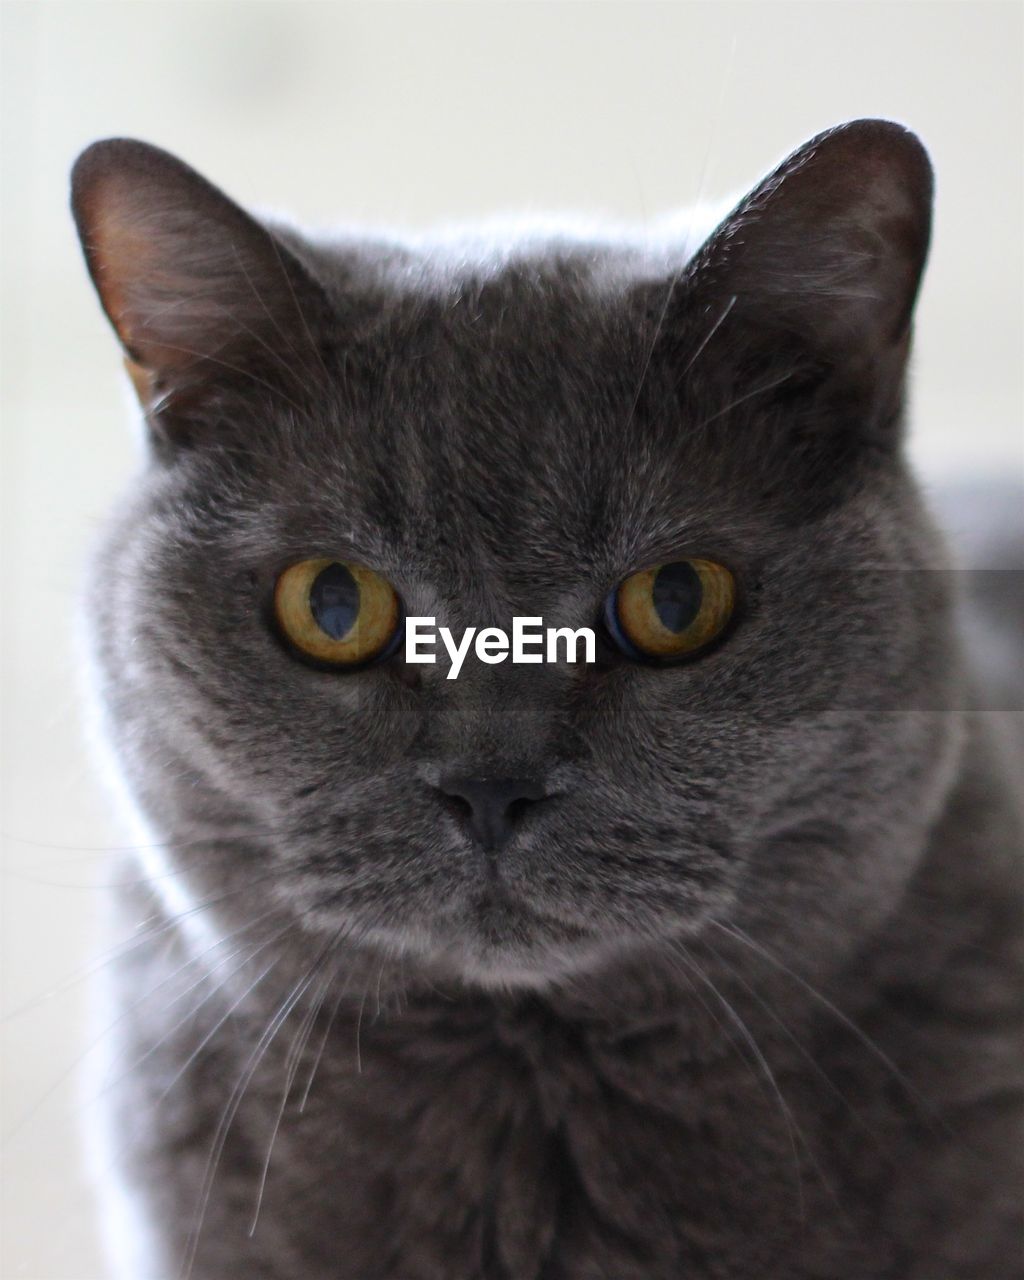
x,y
492,806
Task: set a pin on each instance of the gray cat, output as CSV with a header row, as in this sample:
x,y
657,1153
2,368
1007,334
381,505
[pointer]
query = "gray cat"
x,y
697,960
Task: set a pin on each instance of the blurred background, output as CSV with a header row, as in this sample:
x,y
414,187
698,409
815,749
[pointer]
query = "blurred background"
x,y
401,114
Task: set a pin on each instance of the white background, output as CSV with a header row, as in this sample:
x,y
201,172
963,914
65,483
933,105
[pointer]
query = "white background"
x,y
406,115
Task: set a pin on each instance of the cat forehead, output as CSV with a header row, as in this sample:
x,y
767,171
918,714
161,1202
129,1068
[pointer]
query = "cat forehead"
x,y
529,367
508,389
478,496
495,405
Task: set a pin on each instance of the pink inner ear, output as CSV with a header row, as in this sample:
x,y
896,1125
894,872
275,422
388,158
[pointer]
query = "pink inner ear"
x,y
132,248
128,278
195,288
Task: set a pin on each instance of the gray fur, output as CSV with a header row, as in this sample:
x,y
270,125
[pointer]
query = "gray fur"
x,y
743,999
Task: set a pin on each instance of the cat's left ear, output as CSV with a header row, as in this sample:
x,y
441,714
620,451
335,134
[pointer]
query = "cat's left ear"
x,y
818,268
201,295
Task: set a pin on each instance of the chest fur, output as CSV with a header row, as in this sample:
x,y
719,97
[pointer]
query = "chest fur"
x,y
478,1142
525,1151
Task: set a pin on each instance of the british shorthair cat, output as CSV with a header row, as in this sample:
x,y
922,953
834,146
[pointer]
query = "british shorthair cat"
x,y
700,959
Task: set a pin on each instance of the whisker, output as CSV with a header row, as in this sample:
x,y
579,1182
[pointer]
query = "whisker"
x,y
801,1048
818,1070
749,395
212,1031
291,1070
792,1128
122,949
210,995
359,1030
235,1099
710,334
928,1110
65,1074
322,1046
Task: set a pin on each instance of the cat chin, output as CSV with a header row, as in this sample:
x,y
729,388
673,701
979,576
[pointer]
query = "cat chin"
x,y
506,951
510,968
499,940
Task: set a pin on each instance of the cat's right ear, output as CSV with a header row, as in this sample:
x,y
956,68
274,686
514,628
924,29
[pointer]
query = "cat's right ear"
x,y
811,280
199,293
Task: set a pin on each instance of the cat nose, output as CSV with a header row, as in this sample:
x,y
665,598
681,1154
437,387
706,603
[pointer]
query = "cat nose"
x,y
492,806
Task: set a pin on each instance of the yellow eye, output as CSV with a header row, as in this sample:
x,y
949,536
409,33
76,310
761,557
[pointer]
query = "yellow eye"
x,y
671,611
337,613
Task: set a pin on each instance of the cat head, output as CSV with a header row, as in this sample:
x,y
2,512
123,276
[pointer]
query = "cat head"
x,y
474,434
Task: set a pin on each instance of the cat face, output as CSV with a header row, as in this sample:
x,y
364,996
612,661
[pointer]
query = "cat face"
x,y
517,435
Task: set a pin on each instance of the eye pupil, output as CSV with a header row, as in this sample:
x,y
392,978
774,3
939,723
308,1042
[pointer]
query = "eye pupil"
x,y
677,595
334,601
